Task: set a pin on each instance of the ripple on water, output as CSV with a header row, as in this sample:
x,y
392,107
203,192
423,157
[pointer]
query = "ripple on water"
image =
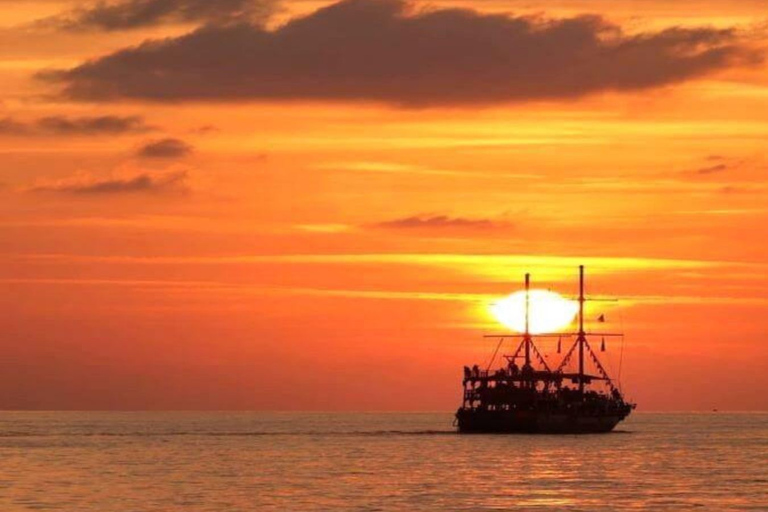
x,y
254,461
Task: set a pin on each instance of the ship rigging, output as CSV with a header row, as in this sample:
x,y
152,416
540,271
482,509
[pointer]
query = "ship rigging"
x,y
537,398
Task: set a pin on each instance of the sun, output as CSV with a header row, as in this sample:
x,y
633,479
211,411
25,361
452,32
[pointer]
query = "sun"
x,y
549,311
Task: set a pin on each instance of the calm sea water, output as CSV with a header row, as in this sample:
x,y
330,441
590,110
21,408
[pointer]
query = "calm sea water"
x,y
303,462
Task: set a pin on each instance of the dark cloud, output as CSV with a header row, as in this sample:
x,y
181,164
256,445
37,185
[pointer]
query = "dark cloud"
x,y
9,126
165,148
130,14
142,183
716,164
382,50
110,125
738,189
440,222
205,129
712,169
62,125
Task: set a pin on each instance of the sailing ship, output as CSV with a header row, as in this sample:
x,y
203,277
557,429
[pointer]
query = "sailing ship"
x,y
535,398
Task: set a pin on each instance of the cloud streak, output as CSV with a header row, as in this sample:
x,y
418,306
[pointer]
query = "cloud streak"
x,y
133,14
712,169
440,222
473,262
165,148
386,51
141,183
63,125
716,165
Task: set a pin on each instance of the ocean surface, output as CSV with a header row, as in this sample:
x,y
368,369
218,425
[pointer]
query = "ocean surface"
x,y
81,461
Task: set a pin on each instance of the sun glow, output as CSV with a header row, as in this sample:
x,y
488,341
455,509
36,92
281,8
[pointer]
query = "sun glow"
x,y
549,311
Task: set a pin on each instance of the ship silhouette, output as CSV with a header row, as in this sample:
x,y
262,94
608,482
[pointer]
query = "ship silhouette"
x,y
535,398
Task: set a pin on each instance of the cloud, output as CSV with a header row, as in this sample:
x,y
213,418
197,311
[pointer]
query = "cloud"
x,y
386,51
716,165
732,189
141,183
205,129
165,148
712,169
10,126
63,125
440,222
92,125
132,14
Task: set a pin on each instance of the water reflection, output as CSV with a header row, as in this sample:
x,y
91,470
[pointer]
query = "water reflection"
x,y
207,462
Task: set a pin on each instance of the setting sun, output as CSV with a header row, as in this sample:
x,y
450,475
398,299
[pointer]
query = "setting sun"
x,y
549,311
252,249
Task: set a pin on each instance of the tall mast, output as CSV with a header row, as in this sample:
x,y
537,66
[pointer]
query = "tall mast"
x,y
582,334
527,336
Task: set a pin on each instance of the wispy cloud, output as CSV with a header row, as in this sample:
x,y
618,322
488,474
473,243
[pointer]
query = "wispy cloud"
x,y
165,148
64,125
414,170
324,228
715,165
442,222
132,14
488,298
11,126
221,289
741,189
490,265
141,183
712,169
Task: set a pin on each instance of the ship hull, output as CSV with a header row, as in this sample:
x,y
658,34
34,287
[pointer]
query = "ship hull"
x,y
531,422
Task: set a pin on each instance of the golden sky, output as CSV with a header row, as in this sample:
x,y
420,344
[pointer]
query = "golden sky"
x,y
307,205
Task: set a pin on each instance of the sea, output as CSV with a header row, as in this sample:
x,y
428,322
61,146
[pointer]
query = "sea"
x,y
221,461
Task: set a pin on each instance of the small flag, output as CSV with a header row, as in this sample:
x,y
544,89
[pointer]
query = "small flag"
x,y
602,345
601,318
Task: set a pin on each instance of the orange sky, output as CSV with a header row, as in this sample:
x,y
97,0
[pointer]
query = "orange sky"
x,y
301,205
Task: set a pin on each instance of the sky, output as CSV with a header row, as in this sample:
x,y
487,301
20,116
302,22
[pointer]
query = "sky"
x,y
308,205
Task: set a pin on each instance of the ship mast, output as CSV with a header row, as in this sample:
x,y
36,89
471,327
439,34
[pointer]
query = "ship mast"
x,y
527,336
582,335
